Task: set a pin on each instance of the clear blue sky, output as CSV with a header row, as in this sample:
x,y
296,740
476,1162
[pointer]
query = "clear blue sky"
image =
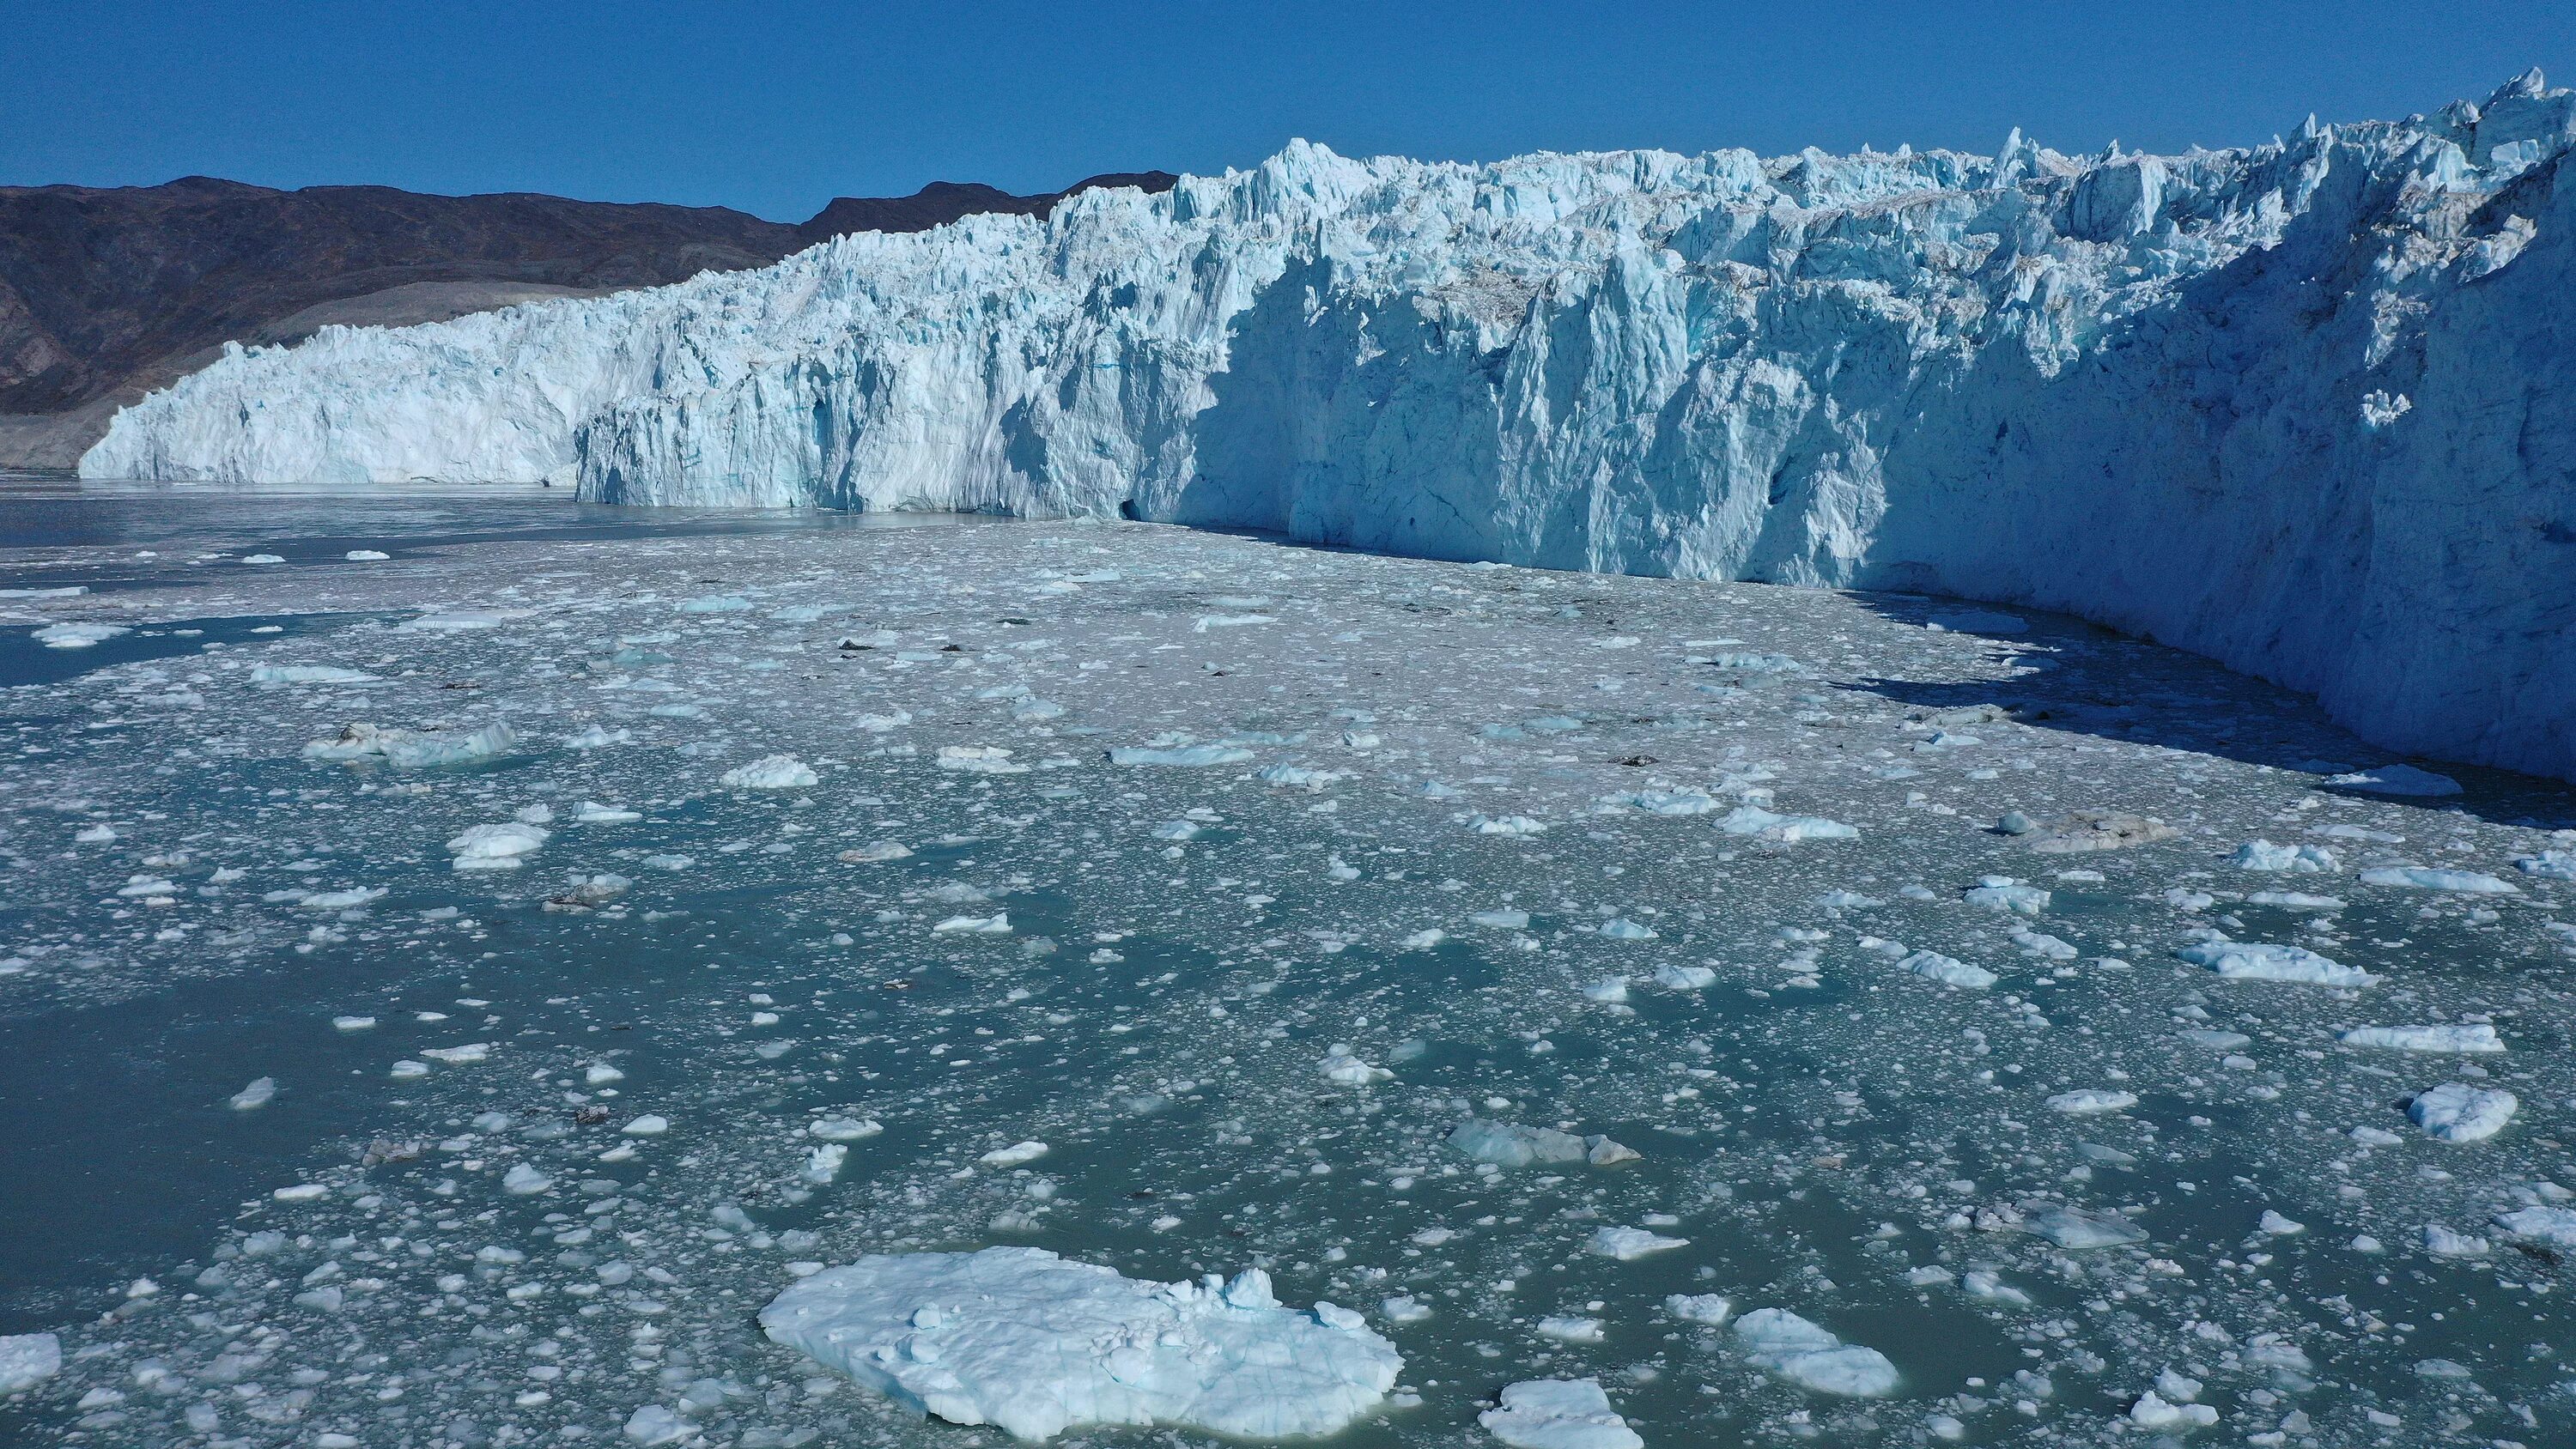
x,y
775,106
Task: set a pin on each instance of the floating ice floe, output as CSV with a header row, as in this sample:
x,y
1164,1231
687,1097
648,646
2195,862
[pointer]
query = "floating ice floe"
x,y
1629,1244
2426,878
2549,865
1484,824
2552,1225
2459,1112
366,555
1706,1308
2086,831
2398,780
1686,800
2295,901
1181,755
255,1096
1558,1414
496,847
844,1129
2092,1102
1339,1065
414,749
979,760
2256,961
875,851
770,772
2152,1411
308,674
597,737
2467,1039
1948,970
77,636
591,812
1812,1356
2296,859
28,1359
2003,893
2075,1228
1754,820
1684,978
1035,1344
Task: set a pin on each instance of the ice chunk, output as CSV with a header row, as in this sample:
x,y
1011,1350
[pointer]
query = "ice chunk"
x,y
1182,755
844,1129
1558,1414
591,812
1684,978
1341,1066
2092,1102
2296,859
1508,1145
366,555
1484,824
2417,877
2295,900
1570,1328
597,737
1035,1344
2003,893
496,847
770,772
2151,1411
876,850
2549,865
2251,961
28,1359
77,636
1629,1244
2398,780
1813,1357
1014,1155
1948,970
415,749
1754,820
1501,920
308,674
2076,1228
2552,1225
254,1096
2474,1038
1708,1308
2459,1112
979,760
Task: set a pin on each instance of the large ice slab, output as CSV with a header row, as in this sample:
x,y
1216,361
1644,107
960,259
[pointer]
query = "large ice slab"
x,y
1035,1344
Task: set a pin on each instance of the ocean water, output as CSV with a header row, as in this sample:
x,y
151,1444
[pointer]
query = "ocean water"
x,y
1459,845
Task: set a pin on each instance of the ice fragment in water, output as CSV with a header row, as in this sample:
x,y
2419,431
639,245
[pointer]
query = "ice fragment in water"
x,y
2549,865
2252,961
1629,1244
1811,1356
2092,1102
2552,1225
2152,1412
414,749
769,772
2075,1228
845,1129
1558,1414
1754,820
496,847
979,760
2466,882
1182,755
28,1359
307,674
1947,970
1508,1145
1035,1344
77,636
1350,1071
1014,1155
2458,1112
2475,1039
254,1096
2295,859
1708,1308
2003,893
2398,780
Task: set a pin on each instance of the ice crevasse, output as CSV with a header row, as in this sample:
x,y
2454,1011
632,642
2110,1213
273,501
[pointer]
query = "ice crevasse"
x,y
2307,407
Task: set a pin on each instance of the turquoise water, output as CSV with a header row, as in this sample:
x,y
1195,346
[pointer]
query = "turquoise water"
x,y
1830,1133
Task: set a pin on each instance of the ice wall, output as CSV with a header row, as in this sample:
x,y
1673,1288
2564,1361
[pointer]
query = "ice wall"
x,y
2307,407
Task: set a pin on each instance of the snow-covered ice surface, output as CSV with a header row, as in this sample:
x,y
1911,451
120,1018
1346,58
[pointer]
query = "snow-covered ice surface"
x,y
542,1143
1994,376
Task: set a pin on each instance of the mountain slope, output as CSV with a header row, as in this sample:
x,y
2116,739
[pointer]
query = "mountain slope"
x,y
108,293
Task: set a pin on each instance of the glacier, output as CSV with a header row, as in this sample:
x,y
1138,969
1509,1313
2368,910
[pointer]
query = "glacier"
x,y
2308,408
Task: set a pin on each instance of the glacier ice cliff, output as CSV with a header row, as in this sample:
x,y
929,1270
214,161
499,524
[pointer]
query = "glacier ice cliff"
x,y
2307,407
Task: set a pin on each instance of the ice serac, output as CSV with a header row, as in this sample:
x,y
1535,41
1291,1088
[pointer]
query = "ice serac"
x,y
1034,1344
2307,407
